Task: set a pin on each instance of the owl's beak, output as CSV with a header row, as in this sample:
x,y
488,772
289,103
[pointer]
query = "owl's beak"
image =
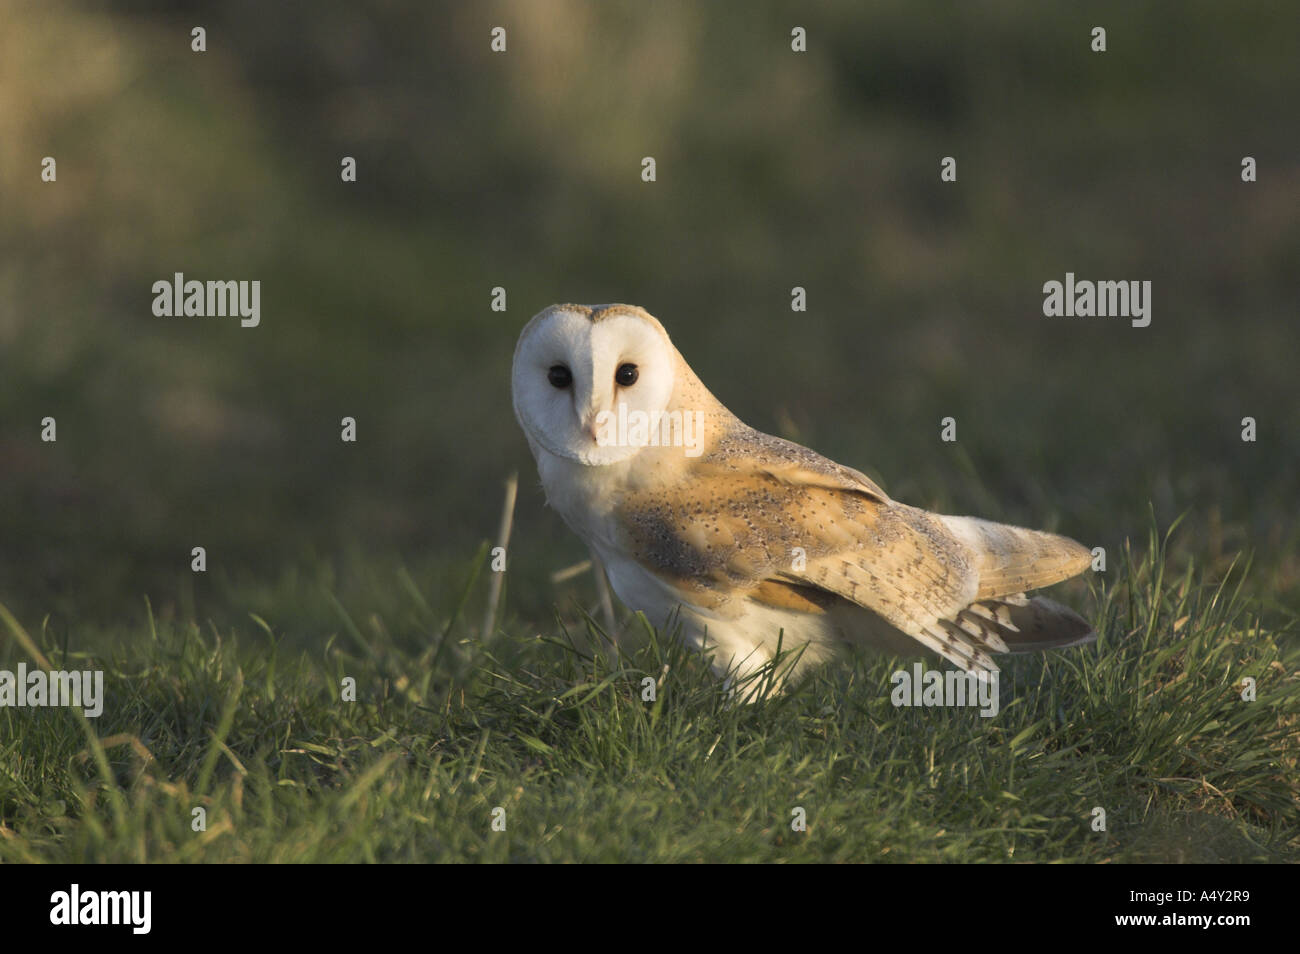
x,y
587,403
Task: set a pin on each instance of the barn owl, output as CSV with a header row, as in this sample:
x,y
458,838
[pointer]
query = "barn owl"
x,y
749,541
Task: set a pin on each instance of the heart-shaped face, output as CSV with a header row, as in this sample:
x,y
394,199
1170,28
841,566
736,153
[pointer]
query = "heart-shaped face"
x,y
580,375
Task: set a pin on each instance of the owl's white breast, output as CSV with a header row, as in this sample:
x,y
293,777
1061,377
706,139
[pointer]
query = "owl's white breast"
x,y
584,496
587,498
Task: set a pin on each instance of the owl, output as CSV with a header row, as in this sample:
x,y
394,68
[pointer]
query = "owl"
x,y
751,542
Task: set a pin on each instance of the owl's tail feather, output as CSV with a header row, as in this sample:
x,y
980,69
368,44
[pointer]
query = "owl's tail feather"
x,y
1012,560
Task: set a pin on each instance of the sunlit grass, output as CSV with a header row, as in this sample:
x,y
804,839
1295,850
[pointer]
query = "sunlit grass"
x,y
552,725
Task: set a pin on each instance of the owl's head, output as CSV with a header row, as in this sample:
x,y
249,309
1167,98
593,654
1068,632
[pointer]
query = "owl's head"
x,y
581,369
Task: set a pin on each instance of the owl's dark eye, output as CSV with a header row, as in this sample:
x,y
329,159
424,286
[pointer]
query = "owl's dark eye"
x,y
559,376
626,375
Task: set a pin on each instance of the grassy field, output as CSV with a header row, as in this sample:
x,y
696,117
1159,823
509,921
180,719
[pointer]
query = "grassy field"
x,y
547,732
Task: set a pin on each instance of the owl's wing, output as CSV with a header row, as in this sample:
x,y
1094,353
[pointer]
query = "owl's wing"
x,y
802,535
790,464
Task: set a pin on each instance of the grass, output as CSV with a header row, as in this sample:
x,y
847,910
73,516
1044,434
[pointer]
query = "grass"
x,y
549,723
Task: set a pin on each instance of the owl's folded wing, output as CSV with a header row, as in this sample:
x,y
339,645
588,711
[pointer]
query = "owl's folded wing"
x,y
802,539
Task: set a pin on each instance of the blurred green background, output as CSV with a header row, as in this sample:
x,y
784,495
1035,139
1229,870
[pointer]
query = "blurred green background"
x,y
522,170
